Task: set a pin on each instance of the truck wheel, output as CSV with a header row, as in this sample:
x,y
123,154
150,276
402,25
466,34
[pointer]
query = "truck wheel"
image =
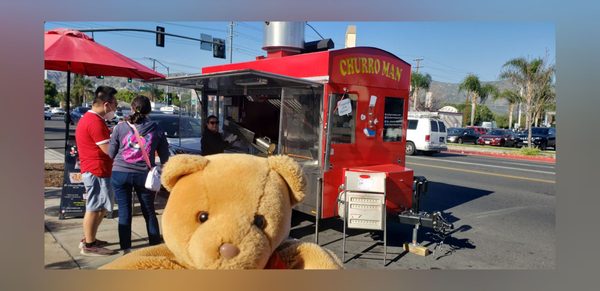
x,y
410,148
459,140
543,146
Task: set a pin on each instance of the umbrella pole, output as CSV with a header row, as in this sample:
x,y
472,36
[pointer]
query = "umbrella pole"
x,y
68,111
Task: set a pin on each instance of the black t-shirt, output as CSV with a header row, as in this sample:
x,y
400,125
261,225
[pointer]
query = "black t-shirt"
x,y
212,143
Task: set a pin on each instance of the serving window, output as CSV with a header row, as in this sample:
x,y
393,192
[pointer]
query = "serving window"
x,y
343,126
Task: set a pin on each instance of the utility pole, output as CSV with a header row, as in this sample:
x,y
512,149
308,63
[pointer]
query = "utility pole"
x,y
154,61
418,60
231,42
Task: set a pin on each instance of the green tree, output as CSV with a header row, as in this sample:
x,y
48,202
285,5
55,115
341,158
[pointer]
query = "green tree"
x,y
501,120
513,98
154,93
50,93
81,88
486,91
482,113
60,97
176,100
531,77
545,100
418,81
472,86
125,95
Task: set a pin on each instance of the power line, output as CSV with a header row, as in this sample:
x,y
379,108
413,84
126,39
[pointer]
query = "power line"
x,y
314,30
418,60
195,27
250,26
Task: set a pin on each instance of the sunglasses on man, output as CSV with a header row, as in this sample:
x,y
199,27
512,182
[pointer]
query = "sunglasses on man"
x,y
213,122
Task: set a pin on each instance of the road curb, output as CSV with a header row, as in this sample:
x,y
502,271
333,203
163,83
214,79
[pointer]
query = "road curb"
x,y
503,155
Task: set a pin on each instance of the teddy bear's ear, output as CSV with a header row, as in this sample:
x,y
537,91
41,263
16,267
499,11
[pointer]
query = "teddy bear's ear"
x,y
179,166
291,173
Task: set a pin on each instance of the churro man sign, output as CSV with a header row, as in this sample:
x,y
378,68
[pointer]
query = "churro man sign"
x,y
370,67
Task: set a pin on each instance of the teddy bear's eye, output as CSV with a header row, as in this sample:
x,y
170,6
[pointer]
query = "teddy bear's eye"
x,y
260,221
202,216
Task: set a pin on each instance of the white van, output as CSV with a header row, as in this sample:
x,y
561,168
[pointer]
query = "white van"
x,y
425,134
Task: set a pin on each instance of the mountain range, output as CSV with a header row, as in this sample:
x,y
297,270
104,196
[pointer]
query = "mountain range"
x,y
444,93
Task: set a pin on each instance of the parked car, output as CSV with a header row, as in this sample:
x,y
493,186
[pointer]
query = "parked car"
x,y
183,133
462,135
47,113
426,135
542,137
118,117
500,137
57,111
479,129
77,113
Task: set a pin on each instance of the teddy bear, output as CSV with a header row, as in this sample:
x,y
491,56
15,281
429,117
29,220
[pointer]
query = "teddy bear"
x,y
230,211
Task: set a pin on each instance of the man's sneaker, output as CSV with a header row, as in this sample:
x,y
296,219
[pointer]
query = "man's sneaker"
x,y
96,251
99,243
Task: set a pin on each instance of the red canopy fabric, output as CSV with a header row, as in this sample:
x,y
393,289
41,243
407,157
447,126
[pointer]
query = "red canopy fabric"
x,y
74,51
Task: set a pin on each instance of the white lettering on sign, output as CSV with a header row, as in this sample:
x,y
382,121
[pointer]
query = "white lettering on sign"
x,y
344,107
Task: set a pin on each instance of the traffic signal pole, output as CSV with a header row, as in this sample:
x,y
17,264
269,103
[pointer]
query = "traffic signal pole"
x,y
218,44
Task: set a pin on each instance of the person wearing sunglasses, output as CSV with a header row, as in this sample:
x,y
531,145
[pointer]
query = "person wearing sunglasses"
x,y
212,140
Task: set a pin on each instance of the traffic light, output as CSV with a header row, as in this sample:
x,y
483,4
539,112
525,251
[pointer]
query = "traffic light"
x,y
218,48
169,99
100,77
129,80
160,38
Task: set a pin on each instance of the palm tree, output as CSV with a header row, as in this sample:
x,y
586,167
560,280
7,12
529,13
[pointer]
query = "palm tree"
x,y
81,87
418,81
513,98
532,76
472,86
544,99
486,91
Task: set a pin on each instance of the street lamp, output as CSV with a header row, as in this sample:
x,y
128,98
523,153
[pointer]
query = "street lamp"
x,y
154,61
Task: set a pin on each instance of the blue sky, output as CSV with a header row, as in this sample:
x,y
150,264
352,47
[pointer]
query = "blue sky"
x,y
450,50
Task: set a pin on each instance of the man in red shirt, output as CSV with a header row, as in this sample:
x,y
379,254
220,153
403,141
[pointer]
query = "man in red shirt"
x,y
92,137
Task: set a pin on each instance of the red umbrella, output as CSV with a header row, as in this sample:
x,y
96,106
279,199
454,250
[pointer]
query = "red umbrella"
x,y
73,51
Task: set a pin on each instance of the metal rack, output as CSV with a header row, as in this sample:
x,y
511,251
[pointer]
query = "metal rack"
x,y
364,196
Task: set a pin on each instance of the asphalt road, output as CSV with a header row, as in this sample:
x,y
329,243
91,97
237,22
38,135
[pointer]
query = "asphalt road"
x,y
54,133
503,211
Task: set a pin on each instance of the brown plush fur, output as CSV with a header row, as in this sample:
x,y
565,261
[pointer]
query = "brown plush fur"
x,y
232,189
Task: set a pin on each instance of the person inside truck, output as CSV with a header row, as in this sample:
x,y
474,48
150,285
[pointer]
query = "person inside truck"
x,y
212,140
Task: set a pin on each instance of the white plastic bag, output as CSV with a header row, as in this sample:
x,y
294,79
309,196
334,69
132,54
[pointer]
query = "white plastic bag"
x,y
153,179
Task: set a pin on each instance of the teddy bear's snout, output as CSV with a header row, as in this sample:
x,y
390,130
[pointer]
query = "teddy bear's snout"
x,y
228,251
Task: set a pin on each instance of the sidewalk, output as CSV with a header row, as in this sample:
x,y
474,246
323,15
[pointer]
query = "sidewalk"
x,y
53,156
61,237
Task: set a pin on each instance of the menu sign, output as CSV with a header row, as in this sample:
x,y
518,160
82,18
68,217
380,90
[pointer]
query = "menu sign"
x,y
72,199
393,118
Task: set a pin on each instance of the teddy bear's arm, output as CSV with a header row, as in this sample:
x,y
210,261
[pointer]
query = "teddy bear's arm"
x,y
303,255
150,258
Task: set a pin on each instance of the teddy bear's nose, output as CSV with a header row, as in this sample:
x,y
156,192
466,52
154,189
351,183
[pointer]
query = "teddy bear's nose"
x,y
228,251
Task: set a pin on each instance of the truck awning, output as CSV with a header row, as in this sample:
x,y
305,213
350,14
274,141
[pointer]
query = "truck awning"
x,y
235,79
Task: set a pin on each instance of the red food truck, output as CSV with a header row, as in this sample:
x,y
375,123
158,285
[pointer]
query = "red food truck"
x,y
335,111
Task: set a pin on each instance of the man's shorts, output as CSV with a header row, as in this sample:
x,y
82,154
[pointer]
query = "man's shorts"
x,y
99,191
